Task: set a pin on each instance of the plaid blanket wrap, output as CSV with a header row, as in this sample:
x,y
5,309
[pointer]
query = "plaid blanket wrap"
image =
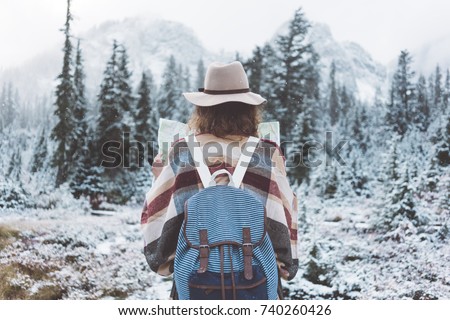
x,y
163,212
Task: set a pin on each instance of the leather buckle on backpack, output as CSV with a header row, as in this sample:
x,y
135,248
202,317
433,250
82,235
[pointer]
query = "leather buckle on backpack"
x,y
247,248
202,251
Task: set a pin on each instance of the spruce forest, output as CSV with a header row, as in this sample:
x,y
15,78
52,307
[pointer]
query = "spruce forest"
x,y
374,216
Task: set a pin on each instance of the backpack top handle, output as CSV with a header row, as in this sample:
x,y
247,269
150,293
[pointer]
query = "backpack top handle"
x,y
207,179
212,183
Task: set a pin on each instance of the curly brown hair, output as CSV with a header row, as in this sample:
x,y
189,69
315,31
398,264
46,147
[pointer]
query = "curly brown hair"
x,y
230,118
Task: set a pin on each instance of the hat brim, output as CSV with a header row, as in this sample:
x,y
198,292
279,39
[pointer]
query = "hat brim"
x,y
202,99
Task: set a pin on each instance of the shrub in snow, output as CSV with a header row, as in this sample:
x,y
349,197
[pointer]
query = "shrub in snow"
x,y
444,196
13,195
400,205
319,270
61,198
444,232
405,229
326,181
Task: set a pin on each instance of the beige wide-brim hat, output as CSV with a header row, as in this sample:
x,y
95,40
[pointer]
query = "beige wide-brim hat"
x,y
224,83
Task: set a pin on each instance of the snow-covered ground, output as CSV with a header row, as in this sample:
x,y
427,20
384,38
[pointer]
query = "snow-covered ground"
x,y
70,254
340,246
88,257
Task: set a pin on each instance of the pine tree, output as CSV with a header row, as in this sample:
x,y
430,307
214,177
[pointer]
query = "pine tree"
x,y
294,96
3,111
186,79
39,153
144,108
110,128
378,109
347,180
446,94
312,77
80,109
94,186
22,112
170,92
444,196
431,90
359,178
78,183
296,75
110,121
345,101
185,106
199,81
400,203
143,183
125,94
333,100
403,93
15,166
421,113
268,83
254,69
145,134
438,87
88,179
442,143
8,106
261,69
302,135
65,101
330,182
392,111
154,124
392,165
358,127
79,134
115,123
432,176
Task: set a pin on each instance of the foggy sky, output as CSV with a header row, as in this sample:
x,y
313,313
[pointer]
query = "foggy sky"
x,y
383,28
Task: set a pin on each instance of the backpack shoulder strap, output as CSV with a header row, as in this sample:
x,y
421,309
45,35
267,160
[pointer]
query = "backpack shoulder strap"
x,y
244,160
197,155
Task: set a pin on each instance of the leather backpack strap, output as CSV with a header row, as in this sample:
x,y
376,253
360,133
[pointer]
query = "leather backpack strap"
x,y
247,249
204,251
197,154
244,160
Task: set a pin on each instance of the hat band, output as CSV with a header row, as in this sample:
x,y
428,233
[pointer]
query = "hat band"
x,y
223,91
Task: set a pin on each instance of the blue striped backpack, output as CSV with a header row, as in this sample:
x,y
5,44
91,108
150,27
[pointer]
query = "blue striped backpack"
x,y
223,250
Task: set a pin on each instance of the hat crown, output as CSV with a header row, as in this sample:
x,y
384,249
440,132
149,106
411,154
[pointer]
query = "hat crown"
x,y
223,77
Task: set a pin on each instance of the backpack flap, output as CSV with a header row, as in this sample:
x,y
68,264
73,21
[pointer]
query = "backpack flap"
x,y
224,212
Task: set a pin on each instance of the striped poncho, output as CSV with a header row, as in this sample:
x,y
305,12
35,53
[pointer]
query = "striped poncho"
x,y
163,211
